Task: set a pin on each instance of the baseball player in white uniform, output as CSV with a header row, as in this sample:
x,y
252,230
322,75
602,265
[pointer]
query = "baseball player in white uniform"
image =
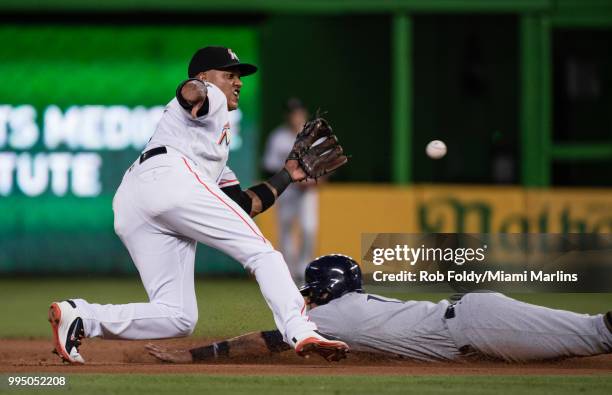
x,y
179,192
474,325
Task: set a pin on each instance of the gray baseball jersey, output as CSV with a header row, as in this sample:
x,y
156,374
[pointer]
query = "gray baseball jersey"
x,y
368,322
489,324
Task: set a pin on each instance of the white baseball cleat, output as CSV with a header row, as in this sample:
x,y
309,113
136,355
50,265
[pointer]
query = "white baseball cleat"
x,y
316,343
68,331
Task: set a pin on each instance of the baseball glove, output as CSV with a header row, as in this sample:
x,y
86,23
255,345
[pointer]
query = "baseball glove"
x,y
321,158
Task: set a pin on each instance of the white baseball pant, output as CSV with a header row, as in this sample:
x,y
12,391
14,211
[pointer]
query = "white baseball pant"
x,y
162,208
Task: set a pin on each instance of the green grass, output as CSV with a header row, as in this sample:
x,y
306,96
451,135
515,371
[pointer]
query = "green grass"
x,y
351,385
226,307
231,307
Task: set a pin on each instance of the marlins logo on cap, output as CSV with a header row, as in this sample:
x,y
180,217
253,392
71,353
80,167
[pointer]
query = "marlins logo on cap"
x,y
233,54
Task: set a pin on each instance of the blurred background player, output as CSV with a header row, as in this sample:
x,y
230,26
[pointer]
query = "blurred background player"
x,y
299,204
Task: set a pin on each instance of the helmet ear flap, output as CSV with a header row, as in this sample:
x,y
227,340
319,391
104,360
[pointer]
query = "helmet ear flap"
x,y
325,297
320,296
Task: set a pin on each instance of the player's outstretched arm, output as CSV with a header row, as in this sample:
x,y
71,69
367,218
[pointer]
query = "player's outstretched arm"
x,y
260,197
250,345
315,153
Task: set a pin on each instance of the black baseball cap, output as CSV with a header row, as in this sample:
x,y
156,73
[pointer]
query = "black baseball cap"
x,y
217,58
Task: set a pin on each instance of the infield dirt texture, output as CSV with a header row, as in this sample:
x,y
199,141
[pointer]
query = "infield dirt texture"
x,y
231,307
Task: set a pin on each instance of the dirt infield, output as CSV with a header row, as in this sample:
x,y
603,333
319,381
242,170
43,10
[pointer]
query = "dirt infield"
x,y
104,356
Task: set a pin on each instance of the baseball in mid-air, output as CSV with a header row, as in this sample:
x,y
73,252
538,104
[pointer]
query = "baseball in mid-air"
x,y
436,149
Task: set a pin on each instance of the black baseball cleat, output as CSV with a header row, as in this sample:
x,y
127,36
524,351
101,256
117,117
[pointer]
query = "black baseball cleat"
x,y
68,331
608,320
316,343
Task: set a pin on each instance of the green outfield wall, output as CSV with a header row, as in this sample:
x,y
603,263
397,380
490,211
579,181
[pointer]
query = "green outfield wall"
x,y
519,89
77,106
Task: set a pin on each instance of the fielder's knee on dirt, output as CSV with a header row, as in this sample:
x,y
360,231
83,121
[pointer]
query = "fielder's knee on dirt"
x,y
184,325
184,320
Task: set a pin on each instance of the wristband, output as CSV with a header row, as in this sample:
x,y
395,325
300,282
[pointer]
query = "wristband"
x,y
180,97
185,104
265,194
280,181
274,341
213,351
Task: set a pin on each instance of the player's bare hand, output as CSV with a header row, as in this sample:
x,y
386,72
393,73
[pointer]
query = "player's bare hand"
x,y
166,355
194,92
295,171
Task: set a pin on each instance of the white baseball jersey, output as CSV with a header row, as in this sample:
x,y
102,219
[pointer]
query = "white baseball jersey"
x,y
488,324
204,140
164,207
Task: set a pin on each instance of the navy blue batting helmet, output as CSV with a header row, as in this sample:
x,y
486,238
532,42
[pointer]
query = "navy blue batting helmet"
x,y
331,276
